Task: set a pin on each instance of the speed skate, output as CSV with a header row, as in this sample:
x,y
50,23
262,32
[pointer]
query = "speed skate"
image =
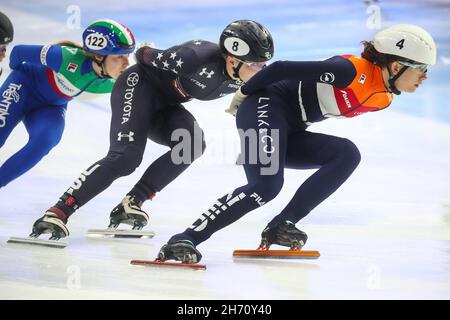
x,y
182,251
127,212
51,224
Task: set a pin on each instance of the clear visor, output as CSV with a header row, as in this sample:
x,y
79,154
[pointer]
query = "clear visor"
x,y
418,67
255,65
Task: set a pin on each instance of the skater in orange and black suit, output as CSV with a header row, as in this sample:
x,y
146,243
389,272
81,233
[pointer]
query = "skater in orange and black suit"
x,y
279,104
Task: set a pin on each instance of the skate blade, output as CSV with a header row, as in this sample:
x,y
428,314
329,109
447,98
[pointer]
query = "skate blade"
x,y
114,233
168,264
40,242
277,254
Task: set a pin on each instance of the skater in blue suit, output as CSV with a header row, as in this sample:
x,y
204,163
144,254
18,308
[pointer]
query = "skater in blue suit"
x,y
46,78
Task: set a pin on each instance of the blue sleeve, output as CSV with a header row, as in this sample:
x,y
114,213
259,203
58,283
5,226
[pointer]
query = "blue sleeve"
x,y
49,55
336,71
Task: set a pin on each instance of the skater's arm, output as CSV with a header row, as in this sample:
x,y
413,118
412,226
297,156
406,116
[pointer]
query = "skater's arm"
x,y
336,71
180,60
50,55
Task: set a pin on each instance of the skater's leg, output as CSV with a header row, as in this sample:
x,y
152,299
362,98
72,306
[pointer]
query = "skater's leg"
x,y
176,128
45,126
131,106
14,105
336,159
262,114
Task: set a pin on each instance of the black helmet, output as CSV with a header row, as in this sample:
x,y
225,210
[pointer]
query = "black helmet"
x,y
6,29
247,40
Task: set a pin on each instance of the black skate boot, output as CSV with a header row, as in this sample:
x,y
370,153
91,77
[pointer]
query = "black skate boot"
x,y
53,222
183,250
128,212
284,234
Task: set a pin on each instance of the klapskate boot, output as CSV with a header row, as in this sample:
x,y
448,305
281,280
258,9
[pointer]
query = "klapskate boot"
x,y
182,250
129,212
54,222
284,234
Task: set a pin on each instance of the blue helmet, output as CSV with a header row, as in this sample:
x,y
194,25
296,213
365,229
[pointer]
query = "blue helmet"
x,y
105,37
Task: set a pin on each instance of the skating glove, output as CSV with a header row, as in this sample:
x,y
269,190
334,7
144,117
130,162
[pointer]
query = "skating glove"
x,y
142,45
146,44
238,98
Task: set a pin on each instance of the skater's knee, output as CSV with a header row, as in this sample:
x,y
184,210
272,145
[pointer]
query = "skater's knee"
x,y
267,189
123,162
44,142
350,152
341,150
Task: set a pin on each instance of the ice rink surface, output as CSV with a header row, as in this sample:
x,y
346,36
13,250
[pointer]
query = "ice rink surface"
x,y
384,234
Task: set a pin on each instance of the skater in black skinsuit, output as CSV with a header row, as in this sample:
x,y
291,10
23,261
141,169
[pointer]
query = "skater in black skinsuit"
x,y
146,103
283,100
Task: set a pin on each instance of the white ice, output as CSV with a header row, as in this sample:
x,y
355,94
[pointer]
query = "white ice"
x,y
383,235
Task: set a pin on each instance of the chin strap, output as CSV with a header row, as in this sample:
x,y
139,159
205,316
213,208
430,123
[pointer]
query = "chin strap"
x,y
101,64
392,79
236,70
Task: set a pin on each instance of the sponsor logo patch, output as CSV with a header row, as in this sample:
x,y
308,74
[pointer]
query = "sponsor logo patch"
x,y
327,77
72,67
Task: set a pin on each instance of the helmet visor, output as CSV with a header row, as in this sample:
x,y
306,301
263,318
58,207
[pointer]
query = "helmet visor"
x,y
255,65
417,67
124,45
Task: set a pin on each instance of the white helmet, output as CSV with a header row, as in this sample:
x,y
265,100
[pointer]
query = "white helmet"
x,y
407,41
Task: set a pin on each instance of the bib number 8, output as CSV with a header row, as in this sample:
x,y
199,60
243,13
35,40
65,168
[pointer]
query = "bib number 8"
x,y
236,46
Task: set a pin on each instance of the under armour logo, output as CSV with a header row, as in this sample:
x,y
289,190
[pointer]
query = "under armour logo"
x,y
208,74
133,79
125,135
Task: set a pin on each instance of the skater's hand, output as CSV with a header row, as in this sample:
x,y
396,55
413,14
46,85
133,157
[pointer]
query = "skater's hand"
x,y
146,44
143,45
238,98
